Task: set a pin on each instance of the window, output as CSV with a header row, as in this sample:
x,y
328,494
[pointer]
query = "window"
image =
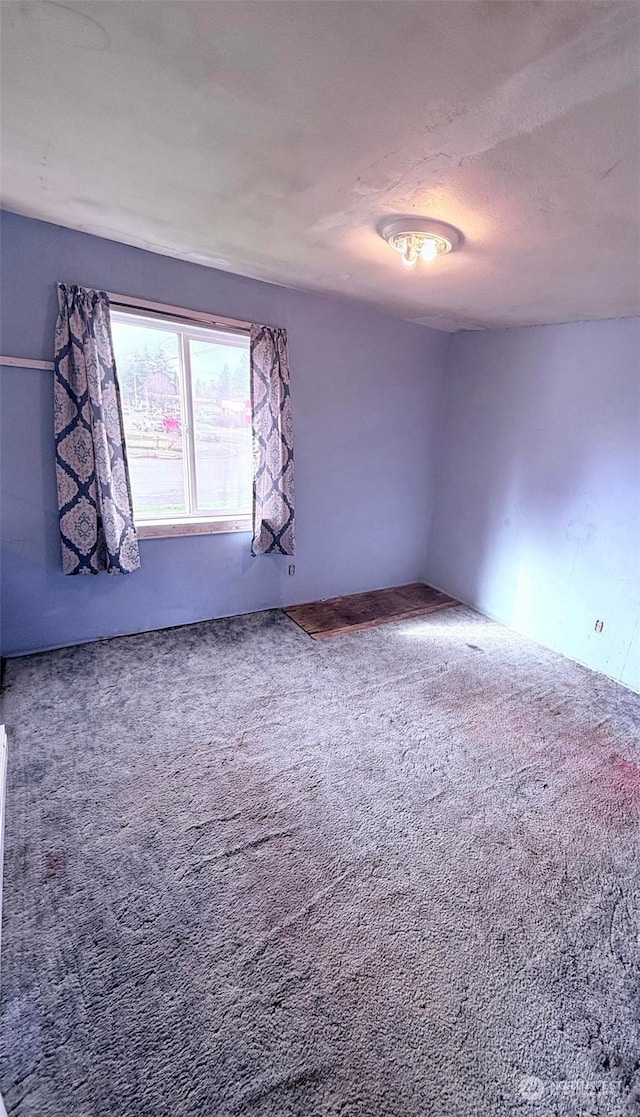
x,y
187,417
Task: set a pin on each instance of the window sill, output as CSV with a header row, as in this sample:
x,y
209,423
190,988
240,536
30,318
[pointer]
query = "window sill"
x,y
159,529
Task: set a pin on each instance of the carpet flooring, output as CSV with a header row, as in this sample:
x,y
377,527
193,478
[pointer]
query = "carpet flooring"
x,y
393,874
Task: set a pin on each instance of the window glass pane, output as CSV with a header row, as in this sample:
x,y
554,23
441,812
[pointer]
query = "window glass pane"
x,y
222,424
148,366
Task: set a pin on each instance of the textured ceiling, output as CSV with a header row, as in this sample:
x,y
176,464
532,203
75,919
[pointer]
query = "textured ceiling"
x,y
270,138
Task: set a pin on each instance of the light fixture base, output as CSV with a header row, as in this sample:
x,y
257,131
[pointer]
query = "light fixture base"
x,y
420,236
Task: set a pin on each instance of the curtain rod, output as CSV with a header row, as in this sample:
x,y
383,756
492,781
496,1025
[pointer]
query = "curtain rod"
x,y
128,302
198,317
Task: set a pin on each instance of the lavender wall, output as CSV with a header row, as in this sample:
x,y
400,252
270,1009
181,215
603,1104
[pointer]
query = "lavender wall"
x,y
535,515
364,389
536,518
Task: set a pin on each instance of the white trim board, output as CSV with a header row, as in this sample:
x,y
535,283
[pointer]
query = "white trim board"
x,y
22,362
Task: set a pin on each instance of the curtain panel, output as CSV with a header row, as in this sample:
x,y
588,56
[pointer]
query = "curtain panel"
x,y
273,484
94,495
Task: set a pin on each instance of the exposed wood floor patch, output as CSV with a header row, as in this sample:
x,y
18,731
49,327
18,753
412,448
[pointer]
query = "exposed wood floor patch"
x,y
364,610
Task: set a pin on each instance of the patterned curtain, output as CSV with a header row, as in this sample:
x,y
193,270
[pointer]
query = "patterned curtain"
x,y
273,489
94,495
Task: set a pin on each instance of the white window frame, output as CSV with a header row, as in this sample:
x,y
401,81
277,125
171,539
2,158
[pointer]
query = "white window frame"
x,y
189,326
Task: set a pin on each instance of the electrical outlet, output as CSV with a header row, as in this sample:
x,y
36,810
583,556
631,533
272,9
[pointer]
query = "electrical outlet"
x,y
292,569
599,626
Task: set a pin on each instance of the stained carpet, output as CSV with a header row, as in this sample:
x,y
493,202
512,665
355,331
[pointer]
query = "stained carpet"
x,y
390,875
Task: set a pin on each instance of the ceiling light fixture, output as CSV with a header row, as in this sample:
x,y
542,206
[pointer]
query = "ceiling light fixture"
x,y
419,238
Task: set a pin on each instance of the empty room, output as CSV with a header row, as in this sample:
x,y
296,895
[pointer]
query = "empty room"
x,y
320,558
